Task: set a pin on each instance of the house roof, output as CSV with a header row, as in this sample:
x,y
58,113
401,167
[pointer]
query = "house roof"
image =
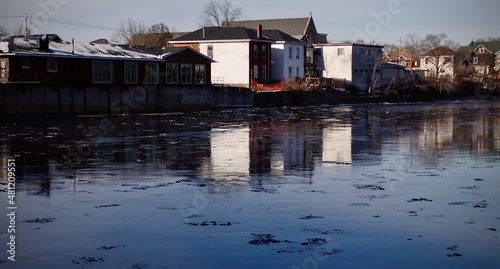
x,y
50,37
440,51
220,33
295,27
22,47
393,55
492,46
170,51
278,35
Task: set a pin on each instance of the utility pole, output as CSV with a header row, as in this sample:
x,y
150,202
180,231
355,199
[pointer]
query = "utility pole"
x,y
26,30
399,51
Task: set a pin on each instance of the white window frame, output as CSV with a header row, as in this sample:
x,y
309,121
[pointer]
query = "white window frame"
x,y
210,51
3,68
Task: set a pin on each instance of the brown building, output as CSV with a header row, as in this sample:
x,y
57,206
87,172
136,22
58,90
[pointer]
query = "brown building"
x,y
49,59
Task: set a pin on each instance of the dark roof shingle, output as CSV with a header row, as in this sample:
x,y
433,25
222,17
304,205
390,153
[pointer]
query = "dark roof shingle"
x,y
220,33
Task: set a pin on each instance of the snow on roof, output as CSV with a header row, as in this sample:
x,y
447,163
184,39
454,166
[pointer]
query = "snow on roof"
x,y
65,49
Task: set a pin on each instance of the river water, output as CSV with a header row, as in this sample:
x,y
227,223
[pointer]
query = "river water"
x,y
362,186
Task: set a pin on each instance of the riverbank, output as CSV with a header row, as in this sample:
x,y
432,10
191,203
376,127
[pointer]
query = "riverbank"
x,y
26,99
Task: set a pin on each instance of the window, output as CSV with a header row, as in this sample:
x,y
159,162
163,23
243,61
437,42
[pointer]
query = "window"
x,y
151,73
51,65
297,71
264,72
255,50
255,72
264,51
102,72
340,51
25,62
481,50
290,53
3,69
298,53
476,60
358,51
210,51
131,72
186,74
171,73
289,71
199,74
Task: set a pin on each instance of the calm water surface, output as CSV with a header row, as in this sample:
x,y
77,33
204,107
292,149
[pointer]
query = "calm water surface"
x,y
368,186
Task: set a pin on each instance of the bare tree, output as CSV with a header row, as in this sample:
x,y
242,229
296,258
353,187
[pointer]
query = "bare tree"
x,y
19,30
219,13
439,54
139,34
127,30
157,34
413,44
4,33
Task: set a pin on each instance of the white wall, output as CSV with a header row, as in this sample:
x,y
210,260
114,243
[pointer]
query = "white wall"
x,y
232,62
353,64
428,63
337,66
282,61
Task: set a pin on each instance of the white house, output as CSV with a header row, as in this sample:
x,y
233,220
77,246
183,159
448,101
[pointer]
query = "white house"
x,y
359,64
439,61
287,54
242,55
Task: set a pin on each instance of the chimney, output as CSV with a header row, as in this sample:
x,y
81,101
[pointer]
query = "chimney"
x,y
203,33
73,43
259,31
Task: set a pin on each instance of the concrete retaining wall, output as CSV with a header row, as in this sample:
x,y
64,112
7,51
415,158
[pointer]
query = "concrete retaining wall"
x,y
87,99
51,98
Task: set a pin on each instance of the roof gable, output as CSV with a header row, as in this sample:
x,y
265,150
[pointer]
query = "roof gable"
x,y
440,51
492,46
171,51
278,35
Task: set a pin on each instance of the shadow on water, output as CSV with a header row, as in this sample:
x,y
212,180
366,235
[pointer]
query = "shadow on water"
x,y
241,145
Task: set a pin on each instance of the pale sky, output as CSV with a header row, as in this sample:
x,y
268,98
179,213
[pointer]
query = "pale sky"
x,y
383,21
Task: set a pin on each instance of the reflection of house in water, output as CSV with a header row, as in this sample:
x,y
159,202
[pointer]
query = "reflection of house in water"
x,y
337,143
367,136
229,154
437,132
284,148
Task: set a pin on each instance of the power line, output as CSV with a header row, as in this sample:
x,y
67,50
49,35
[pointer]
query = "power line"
x,y
60,21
